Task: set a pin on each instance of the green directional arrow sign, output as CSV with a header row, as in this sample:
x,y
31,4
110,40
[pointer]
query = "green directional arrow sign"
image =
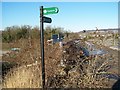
x,y
51,10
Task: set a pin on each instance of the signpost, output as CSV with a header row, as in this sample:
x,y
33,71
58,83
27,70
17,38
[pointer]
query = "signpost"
x,y
47,20
43,19
42,46
51,10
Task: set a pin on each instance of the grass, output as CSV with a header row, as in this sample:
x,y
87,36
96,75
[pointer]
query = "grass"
x,y
5,46
25,76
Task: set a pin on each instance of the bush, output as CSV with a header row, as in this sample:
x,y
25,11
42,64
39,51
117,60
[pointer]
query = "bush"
x,y
13,33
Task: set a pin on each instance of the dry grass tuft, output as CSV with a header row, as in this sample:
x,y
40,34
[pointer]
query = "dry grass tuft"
x,y
27,75
23,77
85,72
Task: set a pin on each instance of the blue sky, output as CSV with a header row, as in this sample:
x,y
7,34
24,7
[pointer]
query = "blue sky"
x,y
73,16
0,15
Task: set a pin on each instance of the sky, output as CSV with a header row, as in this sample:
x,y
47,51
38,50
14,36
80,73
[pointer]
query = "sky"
x,y
0,15
72,16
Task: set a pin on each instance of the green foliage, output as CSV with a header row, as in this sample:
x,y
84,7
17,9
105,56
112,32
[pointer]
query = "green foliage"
x,y
50,30
35,33
14,33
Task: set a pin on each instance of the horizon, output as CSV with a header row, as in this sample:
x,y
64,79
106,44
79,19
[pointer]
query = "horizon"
x,y
72,16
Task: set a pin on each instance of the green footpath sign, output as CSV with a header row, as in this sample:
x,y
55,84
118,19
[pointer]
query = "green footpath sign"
x,y
51,10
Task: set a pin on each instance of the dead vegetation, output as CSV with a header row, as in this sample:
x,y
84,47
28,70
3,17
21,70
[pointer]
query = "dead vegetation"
x,y
23,77
29,54
64,68
78,71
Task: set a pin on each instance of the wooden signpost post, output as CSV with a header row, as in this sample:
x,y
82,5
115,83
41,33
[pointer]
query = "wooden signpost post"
x,y
43,19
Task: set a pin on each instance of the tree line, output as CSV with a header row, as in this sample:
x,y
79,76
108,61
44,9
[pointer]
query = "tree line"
x,y
14,33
